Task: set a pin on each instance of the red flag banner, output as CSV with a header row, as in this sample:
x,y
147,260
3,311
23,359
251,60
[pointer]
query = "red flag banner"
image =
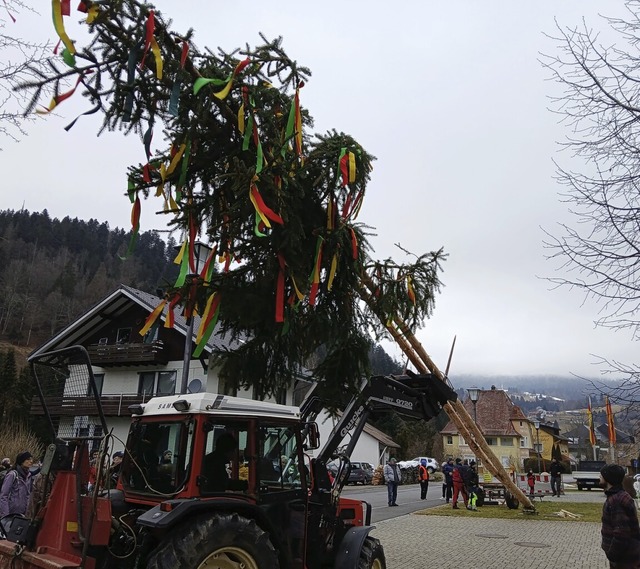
x,y
612,428
592,432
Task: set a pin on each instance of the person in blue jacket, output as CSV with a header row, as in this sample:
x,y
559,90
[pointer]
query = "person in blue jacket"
x,y
16,487
447,470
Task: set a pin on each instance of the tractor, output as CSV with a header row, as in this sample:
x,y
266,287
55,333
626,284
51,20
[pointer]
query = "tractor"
x,y
207,480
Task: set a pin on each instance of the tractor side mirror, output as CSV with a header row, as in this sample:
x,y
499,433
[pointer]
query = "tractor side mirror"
x,y
313,436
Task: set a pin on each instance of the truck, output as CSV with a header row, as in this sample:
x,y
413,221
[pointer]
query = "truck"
x,y
587,473
207,480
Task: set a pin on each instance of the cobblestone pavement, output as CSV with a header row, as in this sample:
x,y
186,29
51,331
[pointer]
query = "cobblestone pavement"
x,y
492,543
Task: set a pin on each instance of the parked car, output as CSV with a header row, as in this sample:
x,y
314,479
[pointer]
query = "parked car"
x,y
432,463
360,473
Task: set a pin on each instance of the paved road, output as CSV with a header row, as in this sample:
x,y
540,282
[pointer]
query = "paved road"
x,y
408,499
413,540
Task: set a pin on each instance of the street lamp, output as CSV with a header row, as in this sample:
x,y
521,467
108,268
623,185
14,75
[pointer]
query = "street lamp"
x,y
201,253
474,394
536,424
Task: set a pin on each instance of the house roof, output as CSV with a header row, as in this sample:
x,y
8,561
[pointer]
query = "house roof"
x,y
114,305
581,432
494,412
380,436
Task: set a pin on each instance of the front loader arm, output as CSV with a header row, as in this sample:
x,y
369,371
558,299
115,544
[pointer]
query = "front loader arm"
x,y
419,396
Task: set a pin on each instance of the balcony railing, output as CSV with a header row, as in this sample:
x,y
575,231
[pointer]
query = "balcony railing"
x,y
112,405
106,355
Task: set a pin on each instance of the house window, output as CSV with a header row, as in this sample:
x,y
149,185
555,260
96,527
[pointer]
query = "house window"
x,y
524,442
506,441
449,439
506,461
537,447
99,379
157,383
123,335
492,441
461,440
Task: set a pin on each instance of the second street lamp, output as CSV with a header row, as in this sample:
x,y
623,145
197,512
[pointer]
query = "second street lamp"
x,y
536,424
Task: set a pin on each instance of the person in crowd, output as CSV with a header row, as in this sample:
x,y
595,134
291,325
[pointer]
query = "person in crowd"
x,y
392,477
114,469
458,484
555,470
620,530
444,480
167,457
93,470
16,486
5,466
423,478
531,481
472,483
447,470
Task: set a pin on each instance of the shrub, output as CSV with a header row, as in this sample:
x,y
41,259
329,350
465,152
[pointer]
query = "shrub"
x,y
15,438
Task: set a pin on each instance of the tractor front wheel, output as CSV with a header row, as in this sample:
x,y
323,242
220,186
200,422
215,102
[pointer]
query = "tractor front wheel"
x,y
372,555
216,541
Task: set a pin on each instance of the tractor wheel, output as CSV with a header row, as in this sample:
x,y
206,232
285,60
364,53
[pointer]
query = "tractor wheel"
x,y
372,555
511,500
216,541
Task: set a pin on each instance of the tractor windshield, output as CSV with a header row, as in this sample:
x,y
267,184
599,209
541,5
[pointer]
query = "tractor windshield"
x,y
159,457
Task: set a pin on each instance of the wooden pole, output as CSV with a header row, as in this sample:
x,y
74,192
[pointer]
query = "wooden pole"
x,y
455,410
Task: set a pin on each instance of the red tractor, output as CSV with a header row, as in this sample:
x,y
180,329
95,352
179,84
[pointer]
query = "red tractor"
x,y
207,481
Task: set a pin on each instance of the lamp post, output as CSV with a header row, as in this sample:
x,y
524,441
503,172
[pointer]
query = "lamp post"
x,y
201,253
474,394
536,424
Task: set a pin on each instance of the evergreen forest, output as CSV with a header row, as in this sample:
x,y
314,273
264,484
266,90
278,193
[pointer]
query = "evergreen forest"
x,y
53,270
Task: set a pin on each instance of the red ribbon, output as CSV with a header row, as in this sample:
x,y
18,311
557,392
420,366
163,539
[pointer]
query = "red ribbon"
x,y
150,27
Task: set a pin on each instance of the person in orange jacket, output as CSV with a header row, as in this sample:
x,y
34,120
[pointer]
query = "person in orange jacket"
x,y
423,478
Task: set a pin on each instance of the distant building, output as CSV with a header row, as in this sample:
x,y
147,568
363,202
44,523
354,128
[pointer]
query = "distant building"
x,y
511,435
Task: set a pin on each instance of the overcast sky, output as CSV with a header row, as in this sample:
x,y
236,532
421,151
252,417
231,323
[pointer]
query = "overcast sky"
x,y
450,98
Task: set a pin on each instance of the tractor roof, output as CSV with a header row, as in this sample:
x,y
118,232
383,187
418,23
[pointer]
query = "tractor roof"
x,y
215,404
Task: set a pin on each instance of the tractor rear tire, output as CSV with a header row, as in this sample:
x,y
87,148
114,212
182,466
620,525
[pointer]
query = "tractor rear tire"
x,y
372,555
216,541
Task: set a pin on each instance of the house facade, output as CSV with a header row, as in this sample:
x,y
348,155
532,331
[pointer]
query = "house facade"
x,y
505,427
373,446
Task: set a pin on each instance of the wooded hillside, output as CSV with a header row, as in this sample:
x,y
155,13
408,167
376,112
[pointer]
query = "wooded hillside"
x,y
53,270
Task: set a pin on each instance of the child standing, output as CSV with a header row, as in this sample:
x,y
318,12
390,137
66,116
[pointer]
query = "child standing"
x,y
531,482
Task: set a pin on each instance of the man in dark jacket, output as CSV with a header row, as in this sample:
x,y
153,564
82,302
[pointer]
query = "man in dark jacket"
x,y
447,470
555,470
620,530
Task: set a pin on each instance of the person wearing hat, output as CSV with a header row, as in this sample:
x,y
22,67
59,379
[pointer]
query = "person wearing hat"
x,y
16,486
447,471
392,478
620,530
423,477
